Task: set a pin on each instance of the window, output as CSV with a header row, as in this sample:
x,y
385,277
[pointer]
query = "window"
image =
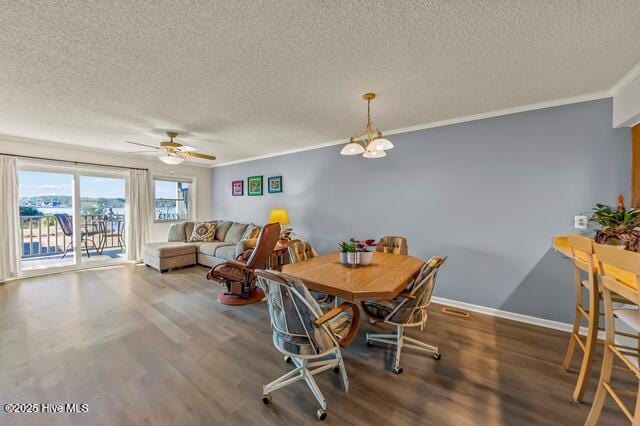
x,y
173,199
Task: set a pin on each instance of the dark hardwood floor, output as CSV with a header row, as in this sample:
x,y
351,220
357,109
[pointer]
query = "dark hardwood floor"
x,y
141,348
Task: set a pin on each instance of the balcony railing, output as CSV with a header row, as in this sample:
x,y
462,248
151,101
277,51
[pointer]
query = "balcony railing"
x,y
43,235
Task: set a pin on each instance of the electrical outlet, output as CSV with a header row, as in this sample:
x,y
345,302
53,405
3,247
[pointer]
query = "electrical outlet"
x,y
580,222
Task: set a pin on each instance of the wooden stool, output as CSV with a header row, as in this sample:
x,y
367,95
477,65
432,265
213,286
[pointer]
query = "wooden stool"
x,y
619,272
583,262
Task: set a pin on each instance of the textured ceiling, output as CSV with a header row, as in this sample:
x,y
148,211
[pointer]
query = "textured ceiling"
x,y
247,78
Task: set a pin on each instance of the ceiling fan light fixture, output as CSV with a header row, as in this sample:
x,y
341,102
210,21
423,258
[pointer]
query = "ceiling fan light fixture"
x,y
171,159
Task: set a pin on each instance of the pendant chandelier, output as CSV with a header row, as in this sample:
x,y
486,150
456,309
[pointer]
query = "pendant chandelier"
x,y
369,143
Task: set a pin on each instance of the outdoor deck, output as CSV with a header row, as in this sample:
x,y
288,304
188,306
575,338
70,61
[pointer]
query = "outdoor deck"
x,y
45,239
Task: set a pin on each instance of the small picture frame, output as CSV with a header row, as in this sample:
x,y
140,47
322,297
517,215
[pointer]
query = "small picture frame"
x,y
274,184
237,188
254,185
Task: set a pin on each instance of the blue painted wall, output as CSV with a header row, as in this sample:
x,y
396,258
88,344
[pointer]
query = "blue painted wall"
x,y
489,194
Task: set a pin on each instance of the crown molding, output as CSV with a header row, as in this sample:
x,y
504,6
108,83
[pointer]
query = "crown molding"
x,y
626,79
441,123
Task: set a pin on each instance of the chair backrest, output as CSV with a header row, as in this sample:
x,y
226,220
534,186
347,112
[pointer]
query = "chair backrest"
x,y
293,311
66,223
391,244
412,311
300,251
267,240
582,252
619,270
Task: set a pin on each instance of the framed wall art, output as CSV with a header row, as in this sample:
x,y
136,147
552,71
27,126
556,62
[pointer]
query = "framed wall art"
x,y
274,184
237,188
254,185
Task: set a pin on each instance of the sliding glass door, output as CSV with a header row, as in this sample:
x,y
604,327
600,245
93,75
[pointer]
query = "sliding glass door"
x,y
102,204
71,218
46,219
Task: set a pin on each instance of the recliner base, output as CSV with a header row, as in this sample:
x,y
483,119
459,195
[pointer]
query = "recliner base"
x,y
232,299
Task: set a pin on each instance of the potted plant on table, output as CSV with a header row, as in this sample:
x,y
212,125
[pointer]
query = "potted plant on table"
x,y
364,248
347,249
617,226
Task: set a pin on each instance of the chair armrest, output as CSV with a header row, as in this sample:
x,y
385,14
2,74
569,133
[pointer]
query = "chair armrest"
x,y
236,263
346,340
228,263
245,245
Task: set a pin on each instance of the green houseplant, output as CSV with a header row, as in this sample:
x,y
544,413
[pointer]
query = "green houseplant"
x,y
345,249
617,226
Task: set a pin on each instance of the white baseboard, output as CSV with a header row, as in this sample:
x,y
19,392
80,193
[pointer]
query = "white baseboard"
x,y
527,319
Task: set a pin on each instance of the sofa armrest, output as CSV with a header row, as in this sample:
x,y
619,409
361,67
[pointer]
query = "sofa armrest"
x,y
245,245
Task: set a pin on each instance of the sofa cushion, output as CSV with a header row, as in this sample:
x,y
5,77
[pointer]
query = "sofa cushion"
x,y
235,232
222,228
210,248
176,232
203,231
188,230
251,232
168,249
226,252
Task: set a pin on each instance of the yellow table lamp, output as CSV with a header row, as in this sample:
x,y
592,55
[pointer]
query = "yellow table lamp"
x,y
280,216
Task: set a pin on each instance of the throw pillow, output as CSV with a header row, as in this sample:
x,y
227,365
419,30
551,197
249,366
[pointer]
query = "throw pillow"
x,y
221,230
188,230
251,232
235,233
176,232
203,232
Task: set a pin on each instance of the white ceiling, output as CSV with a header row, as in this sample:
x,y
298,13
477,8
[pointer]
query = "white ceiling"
x,y
246,78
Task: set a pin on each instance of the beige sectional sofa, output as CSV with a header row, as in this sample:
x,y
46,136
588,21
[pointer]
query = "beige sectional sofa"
x,y
231,239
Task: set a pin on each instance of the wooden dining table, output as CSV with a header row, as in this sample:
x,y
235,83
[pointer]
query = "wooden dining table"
x,y
384,279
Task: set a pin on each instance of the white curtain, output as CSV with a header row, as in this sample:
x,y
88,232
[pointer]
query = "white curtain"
x,y
139,213
9,218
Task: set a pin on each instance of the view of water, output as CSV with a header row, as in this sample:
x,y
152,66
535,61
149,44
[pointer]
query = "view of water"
x,y
116,210
69,211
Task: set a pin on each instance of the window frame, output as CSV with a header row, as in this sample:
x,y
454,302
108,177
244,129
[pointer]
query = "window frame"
x,y
191,202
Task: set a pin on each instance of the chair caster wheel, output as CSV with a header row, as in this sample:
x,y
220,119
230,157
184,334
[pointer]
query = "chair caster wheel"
x,y
437,356
266,399
336,369
397,370
321,414
288,359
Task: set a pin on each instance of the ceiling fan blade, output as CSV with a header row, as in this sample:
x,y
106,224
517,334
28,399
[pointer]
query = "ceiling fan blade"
x,y
141,144
141,152
196,155
186,148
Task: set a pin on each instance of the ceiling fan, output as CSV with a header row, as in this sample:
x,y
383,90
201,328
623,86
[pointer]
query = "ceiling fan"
x,y
174,153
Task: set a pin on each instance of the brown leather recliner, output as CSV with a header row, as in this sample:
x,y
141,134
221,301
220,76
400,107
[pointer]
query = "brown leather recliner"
x,y
238,275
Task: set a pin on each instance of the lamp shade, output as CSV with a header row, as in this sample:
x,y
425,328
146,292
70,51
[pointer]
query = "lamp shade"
x,y
352,149
381,144
374,154
171,159
279,216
